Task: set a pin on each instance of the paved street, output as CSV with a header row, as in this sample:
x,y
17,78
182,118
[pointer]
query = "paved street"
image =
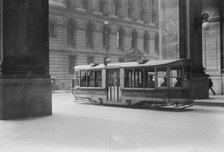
x,y
76,126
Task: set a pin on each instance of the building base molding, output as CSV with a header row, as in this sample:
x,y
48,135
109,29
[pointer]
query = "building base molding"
x,y
199,87
25,97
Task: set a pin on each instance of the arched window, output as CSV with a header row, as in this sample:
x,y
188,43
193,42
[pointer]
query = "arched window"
x,y
146,42
71,32
89,35
154,17
134,38
120,38
52,28
157,43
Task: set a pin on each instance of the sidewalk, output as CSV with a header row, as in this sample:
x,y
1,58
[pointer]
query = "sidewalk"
x,y
217,101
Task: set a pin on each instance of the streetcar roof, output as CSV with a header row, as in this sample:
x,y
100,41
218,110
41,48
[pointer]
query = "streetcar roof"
x,y
152,63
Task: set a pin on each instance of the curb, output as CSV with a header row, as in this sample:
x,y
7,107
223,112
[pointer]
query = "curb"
x,y
214,104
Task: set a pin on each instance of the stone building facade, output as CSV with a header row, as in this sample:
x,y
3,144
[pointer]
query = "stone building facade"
x,y
212,44
77,33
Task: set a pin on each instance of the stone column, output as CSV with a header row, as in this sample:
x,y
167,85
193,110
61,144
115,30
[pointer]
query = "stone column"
x,y
221,10
25,85
191,44
1,33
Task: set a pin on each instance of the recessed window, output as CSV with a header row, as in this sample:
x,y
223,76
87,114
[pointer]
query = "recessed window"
x,y
68,3
157,43
146,42
106,36
120,38
71,29
134,38
85,4
52,29
102,6
130,8
142,10
89,35
116,7
71,63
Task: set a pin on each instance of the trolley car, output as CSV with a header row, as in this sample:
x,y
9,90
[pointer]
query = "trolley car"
x,y
153,83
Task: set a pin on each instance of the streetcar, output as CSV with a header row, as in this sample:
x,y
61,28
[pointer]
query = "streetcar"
x,y
153,83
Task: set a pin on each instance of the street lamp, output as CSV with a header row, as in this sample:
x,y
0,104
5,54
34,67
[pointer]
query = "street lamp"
x,y
106,33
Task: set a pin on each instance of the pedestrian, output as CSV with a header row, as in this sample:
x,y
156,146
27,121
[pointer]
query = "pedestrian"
x,y
210,85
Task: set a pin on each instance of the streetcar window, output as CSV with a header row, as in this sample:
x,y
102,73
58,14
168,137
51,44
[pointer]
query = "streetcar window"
x,y
98,78
149,78
83,78
134,78
76,78
91,79
138,78
162,79
129,78
176,77
186,77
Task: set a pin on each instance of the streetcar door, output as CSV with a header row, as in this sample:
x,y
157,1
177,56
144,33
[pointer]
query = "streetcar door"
x,y
113,85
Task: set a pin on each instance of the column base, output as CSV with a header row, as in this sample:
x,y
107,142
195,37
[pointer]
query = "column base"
x,y
199,87
25,97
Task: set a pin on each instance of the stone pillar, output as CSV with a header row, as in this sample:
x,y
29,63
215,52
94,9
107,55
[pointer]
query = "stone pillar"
x,y
221,10
1,33
191,44
25,85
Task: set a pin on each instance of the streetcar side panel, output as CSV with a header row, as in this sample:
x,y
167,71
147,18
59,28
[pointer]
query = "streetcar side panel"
x,y
92,85
155,83
171,85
